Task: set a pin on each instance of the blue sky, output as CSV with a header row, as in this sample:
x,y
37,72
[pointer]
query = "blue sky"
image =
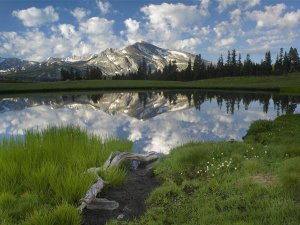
x,y
37,29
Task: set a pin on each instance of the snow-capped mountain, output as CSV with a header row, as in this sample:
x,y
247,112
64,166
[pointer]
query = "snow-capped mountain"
x,y
111,61
14,64
118,61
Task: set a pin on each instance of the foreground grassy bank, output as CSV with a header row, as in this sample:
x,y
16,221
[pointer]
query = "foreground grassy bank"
x,y
284,84
253,182
42,176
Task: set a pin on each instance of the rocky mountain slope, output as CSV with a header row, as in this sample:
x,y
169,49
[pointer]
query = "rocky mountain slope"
x,y
111,62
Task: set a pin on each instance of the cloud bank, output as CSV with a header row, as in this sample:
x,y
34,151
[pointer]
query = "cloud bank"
x,y
205,26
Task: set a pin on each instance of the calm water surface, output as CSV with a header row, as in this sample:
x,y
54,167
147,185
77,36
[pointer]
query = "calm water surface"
x,y
154,120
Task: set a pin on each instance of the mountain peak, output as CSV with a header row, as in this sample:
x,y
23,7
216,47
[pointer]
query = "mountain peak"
x,y
111,61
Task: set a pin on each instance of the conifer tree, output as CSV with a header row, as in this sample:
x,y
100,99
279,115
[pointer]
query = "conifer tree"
x,y
220,66
233,67
294,58
248,66
239,65
228,64
197,67
268,63
188,71
286,63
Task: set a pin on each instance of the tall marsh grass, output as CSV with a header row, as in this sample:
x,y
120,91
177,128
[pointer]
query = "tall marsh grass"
x,y
44,172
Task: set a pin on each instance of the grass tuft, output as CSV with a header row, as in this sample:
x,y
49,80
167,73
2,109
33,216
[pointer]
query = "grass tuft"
x,y
289,174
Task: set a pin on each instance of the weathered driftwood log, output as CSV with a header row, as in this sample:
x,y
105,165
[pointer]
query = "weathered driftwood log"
x,y
90,200
91,194
103,203
94,170
117,158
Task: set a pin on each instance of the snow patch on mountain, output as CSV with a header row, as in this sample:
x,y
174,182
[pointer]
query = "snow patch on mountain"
x,y
179,53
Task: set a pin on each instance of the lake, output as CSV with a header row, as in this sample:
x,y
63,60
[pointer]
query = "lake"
x,y
153,120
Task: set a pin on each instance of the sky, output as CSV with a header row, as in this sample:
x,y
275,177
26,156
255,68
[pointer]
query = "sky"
x,y
38,29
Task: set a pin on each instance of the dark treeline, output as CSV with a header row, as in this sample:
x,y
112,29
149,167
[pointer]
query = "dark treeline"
x,y
286,62
91,73
232,101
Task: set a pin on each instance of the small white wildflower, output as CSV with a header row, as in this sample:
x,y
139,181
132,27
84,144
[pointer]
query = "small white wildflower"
x,y
266,152
252,148
221,153
198,172
235,168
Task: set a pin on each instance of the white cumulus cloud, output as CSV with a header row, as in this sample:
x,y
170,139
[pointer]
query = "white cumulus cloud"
x,y
104,6
274,15
91,36
225,42
242,4
132,31
176,26
80,13
34,17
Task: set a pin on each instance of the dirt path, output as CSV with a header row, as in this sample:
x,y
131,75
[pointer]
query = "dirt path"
x,y
131,196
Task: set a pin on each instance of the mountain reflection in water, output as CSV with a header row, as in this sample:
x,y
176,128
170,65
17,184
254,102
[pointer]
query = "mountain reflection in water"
x,y
154,120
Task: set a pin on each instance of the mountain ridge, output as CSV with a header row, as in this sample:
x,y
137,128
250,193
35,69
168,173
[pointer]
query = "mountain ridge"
x,y
110,61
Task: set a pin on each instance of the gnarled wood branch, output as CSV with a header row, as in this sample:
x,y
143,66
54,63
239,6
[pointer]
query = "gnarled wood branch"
x,y
91,194
115,159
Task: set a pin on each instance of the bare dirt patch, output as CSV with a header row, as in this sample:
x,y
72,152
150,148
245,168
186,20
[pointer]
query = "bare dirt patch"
x,y
266,180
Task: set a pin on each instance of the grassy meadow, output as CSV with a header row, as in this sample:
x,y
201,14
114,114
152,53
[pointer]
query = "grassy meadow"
x,y
252,182
43,175
284,84
256,181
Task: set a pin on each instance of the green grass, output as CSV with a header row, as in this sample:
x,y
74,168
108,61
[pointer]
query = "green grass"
x,y
285,84
42,175
252,182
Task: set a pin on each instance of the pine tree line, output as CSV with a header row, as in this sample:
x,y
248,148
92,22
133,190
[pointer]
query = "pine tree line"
x,y
234,66
91,73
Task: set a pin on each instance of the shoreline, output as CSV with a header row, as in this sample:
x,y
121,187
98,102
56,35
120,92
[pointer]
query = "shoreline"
x,y
282,84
